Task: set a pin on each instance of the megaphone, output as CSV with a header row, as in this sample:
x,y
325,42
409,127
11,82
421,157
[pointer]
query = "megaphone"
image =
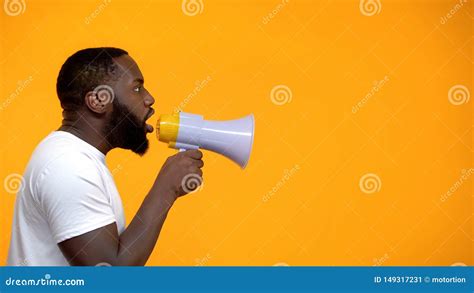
x,y
186,131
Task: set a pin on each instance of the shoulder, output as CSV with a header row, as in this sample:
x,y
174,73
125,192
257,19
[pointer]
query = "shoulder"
x,y
59,162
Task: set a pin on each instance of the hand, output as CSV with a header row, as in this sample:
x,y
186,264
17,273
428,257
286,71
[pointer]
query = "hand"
x,y
181,173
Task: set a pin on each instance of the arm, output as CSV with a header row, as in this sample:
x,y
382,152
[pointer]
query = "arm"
x,y
136,243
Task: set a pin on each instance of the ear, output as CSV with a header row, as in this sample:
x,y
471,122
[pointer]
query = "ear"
x,y
98,100
93,102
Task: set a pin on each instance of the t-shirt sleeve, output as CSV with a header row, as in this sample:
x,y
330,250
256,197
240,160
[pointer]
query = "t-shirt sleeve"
x,y
73,198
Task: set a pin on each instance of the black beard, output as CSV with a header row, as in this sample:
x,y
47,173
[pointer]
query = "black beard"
x,y
125,130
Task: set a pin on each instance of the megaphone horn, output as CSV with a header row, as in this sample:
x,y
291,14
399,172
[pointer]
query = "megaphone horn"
x,y
231,138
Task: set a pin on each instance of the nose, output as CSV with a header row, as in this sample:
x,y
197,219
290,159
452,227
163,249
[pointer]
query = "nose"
x,y
149,100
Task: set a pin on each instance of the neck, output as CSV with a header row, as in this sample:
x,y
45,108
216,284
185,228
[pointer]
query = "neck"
x,y
89,131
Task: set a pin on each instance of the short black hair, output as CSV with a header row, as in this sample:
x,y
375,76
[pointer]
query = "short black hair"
x,y
83,71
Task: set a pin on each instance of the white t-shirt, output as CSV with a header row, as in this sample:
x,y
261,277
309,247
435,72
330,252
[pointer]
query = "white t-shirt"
x,y
67,191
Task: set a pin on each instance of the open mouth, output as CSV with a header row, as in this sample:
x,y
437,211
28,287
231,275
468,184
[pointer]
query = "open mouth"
x,y
148,127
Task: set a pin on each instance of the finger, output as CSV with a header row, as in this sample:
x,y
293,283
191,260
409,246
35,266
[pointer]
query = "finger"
x,y
189,162
196,171
194,154
199,163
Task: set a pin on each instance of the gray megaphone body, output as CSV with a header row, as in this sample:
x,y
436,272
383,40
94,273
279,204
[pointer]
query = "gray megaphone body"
x,y
231,138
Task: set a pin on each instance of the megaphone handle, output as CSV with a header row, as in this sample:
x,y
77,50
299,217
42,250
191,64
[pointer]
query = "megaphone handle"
x,y
183,149
184,146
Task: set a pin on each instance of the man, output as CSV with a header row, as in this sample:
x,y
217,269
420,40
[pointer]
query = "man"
x,y
68,210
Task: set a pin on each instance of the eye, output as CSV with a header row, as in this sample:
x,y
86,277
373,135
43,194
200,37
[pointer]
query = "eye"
x,y
137,89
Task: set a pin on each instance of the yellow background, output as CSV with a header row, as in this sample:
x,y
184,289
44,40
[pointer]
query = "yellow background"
x,y
329,54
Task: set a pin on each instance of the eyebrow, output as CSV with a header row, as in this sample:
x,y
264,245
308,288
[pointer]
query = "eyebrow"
x,y
140,80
